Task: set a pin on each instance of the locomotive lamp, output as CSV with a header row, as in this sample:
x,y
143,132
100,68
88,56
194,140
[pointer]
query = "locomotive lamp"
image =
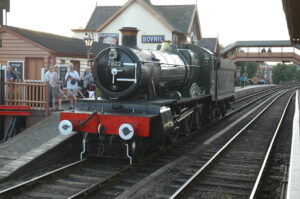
x,y
65,127
88,40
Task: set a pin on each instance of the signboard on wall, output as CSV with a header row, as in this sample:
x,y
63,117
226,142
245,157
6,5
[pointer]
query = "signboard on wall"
x,y
62,74
109,38
17,69
152,39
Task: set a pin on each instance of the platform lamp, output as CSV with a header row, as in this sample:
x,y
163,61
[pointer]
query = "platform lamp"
x,y
88,40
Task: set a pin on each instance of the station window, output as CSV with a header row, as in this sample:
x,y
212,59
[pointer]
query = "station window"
x,y
206,58
175,39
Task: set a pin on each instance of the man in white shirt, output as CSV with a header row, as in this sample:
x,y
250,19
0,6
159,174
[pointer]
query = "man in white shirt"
x,y
72,78
48,78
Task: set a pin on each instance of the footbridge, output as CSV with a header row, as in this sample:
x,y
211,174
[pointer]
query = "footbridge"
x,y
263,51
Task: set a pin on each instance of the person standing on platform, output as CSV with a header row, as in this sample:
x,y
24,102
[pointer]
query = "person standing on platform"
x,y
242,81
10,76
72,78
48,78
245,80
87,80
56,85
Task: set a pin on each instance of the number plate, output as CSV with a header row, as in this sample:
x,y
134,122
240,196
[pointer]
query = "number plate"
x,y
114,63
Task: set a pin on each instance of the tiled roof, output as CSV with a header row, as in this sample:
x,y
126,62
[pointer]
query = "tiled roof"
x,y
100,15
208,43
57,43
178,16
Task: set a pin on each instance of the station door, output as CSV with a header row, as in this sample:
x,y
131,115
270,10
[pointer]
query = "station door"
x,y
33,68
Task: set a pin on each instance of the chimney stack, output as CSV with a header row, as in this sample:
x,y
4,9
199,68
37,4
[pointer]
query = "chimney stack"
x,y
129,37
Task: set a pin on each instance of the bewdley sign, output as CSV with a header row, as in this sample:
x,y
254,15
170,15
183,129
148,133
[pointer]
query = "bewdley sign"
x,y
153,39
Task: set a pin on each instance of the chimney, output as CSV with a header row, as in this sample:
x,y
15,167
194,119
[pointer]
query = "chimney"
x,y
129,37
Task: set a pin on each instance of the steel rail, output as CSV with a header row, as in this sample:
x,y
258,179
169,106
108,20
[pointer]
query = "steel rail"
x,y
267,156
254,94
35,180
216,155
99,184
82,193
248,104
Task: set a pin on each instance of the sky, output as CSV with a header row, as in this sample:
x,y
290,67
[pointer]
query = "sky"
x,y
230,20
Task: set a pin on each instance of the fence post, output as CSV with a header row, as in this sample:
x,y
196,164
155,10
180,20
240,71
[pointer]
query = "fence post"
x,y
11,92
47,99
2,100
2,87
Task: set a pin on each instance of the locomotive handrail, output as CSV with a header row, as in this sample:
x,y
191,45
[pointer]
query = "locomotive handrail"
x,y
135,73
88,119
149,62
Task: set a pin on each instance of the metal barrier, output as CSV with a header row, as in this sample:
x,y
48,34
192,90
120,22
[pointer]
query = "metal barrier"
x,y
63,93
28,93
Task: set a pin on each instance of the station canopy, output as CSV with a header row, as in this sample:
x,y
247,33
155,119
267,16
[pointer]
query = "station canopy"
x,y
292,13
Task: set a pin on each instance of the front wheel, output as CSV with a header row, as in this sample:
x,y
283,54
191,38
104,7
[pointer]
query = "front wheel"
x,y
174,134
188,124
199,119
138,150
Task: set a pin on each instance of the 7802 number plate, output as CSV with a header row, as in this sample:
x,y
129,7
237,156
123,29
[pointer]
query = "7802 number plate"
x,y
114,63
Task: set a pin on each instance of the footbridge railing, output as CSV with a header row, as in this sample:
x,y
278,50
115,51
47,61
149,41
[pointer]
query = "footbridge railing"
x,y
266,56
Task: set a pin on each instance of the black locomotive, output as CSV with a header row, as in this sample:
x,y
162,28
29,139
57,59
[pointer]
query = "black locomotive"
x,y
150,96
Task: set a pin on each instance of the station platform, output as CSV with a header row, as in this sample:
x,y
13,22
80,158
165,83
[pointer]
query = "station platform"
x,y
28,146
293,191
248,90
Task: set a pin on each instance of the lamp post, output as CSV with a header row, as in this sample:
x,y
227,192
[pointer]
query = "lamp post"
x,y
88,40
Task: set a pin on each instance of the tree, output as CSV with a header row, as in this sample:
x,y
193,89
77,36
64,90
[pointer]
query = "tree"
x,y
285,73
251,68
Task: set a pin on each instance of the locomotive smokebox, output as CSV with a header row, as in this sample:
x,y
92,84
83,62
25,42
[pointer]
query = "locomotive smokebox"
x,y
129,37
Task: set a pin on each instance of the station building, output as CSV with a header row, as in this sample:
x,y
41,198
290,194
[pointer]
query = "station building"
x,y
28,51
176,23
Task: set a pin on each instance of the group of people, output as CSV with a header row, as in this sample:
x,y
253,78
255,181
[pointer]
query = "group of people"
x,y
264,50
73,79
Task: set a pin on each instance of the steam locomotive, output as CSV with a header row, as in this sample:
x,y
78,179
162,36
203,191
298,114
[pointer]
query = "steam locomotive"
x,y
149,97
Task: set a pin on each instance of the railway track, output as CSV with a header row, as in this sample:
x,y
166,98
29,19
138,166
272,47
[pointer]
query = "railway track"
x,y
240,158
245,102
47,184
66,181
128,184
257,94
275,178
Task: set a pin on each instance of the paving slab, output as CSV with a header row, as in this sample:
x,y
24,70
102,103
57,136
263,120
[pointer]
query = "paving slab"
x,y
251,89
32,143
293,191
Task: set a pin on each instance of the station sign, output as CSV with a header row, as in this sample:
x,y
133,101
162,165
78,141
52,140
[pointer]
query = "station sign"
x,y
17,68
152,39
